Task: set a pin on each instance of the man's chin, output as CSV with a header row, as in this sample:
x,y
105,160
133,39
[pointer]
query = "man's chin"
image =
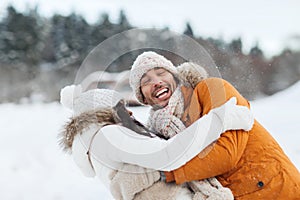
x,y
157,107
160,105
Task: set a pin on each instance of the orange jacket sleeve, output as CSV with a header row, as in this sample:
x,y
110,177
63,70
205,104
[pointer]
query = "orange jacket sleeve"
x,y
225,153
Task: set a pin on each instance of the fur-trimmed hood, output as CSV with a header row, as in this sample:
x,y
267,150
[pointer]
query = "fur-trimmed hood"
x,y
77,124
99,118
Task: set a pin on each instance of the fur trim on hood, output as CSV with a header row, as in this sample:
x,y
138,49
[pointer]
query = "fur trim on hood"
x,y
101,117
76,125
191,74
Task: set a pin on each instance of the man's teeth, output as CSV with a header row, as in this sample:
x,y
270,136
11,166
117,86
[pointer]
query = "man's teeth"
x,y
161,92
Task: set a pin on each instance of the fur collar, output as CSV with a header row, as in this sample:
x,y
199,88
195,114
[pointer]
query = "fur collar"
x,y
102,117
191,74
77,124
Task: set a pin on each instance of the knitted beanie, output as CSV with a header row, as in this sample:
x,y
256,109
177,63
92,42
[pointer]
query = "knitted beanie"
x,y
143,63
73,98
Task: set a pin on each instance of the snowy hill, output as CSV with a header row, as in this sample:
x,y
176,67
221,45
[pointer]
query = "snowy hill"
x,y
280,114
33,167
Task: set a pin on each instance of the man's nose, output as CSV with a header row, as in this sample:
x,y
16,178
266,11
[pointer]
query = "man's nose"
x,y
157,82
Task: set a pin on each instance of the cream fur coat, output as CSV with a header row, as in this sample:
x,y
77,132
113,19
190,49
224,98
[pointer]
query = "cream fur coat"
x,y
77,143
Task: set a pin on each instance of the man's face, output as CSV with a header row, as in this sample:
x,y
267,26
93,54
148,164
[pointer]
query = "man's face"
x,y
157,86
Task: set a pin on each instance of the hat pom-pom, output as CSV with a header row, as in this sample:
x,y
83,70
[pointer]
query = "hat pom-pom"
x,y
68,94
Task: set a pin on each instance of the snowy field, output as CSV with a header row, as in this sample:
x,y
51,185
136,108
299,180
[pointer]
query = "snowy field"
x,y
33,167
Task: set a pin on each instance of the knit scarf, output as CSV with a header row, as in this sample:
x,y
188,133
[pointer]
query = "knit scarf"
x,y
166,120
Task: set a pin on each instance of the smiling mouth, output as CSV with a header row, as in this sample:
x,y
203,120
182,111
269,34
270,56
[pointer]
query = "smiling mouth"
x,y
162,93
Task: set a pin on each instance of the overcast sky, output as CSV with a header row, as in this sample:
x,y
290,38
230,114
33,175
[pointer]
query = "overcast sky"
x,y
272,24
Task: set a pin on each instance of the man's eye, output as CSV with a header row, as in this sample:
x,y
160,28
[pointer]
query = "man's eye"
x,y
161,73
145,82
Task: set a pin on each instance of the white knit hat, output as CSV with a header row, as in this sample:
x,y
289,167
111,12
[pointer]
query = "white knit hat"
x,y
73,98
143,63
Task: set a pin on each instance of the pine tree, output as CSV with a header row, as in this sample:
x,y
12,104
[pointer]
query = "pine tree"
x,y
188,30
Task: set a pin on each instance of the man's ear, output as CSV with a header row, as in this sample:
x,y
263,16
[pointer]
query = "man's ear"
x,y
143,97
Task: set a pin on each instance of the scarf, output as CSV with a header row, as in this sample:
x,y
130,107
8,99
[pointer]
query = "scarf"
x,y
166,120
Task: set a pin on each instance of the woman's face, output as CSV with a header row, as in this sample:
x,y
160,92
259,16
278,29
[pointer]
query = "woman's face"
x,y
157,86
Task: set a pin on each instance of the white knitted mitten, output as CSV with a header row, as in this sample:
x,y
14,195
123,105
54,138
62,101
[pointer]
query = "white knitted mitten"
x,y
199,196
126,184
233,116
210,189
165,191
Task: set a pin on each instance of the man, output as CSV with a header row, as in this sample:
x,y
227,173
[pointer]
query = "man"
x,y
250,163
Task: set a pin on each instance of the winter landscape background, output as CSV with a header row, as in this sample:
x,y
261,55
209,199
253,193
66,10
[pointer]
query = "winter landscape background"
x,y
41,52
33,167
256,46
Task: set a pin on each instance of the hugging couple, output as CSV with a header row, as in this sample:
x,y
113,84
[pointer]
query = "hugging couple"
x,y
201,140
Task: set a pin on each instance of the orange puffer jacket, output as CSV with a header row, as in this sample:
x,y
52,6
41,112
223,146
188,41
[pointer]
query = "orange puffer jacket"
x,y
250,163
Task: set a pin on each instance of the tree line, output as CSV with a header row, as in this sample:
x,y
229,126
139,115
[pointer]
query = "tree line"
x,y
40,55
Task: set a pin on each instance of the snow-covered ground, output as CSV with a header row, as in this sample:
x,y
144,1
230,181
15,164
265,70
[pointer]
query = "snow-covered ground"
x,y
32,167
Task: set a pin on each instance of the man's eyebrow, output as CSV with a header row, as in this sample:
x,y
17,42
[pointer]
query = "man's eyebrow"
x,y
144,75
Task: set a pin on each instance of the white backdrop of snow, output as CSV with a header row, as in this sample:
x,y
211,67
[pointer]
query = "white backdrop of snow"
x,y
33,167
